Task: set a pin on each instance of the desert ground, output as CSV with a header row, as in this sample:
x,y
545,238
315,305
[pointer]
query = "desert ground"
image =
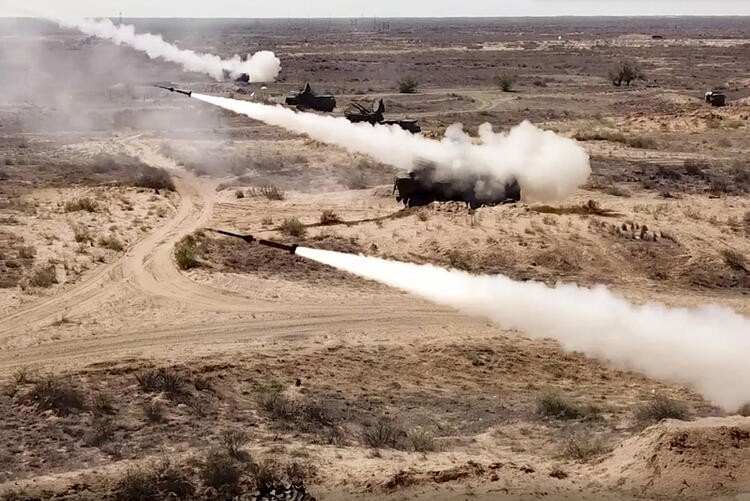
x,y
143,355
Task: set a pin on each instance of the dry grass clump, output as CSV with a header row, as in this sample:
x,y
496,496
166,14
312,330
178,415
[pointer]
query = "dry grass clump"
x,y
408,85
590,208
156,481
81,204
383,434
328,217
112,243
505,82
293,227
154,178
552,404
662,407
154,412
744,410
583,447
221,472
26,252
642,142
58,395
43,277
269,191
186,253
734,259
169,382
81,234
239,194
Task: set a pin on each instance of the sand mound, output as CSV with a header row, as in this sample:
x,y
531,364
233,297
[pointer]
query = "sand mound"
x,y
696,459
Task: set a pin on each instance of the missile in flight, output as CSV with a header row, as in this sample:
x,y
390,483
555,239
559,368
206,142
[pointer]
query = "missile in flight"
x,y
291,249
188,93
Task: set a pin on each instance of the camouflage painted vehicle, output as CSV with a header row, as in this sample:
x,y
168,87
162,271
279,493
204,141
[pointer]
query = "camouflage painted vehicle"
x,y
307,100
359,113
424,185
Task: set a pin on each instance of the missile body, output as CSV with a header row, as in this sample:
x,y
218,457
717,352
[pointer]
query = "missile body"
x,y
291,249
188,93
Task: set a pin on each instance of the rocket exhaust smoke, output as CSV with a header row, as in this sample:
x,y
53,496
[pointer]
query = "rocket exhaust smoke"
x,y
705,347
263,66
548,167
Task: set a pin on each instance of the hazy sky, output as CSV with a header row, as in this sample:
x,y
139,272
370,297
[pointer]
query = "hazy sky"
x,y
380,8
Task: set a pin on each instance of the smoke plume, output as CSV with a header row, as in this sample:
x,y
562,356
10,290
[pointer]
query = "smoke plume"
x,y
263,66
547,166
705,347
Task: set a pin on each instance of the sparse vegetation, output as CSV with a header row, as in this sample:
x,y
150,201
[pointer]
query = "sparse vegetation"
x,y
220,471
43,277
186,253
642,142
551,404
81,204
156,481
102,430
166,381
26,252
269,191
583,447
744,411
58,395
328,217
239,194
505,82
154,178
591,208
292,227
112,243
154,412
408,85
626,72
81,234
735,259
383,434
662,407
233,441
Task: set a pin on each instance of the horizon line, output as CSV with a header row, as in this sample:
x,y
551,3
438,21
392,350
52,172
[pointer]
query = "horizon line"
x,y
310,18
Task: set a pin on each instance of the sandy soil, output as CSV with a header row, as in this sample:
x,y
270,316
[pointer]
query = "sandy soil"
x,y
459,397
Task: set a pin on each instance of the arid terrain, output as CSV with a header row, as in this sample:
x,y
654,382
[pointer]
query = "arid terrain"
x,y
141,354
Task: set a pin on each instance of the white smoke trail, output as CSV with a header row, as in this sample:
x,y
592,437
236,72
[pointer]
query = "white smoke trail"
x,y
705,347
263,66
547,166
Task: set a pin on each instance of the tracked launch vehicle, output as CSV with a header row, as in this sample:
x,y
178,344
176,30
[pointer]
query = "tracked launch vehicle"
x,y
424,185
358,113
306,99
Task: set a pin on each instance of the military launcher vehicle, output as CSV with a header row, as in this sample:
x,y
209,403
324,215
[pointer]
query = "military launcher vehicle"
x,y
716,99
424,185
307,100
358,113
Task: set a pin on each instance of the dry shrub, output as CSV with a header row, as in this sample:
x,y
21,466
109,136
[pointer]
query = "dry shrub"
x,y
186,253
505,82
43,277
112,243
269,191
221,471
584,447
328,217
408,85
154,412
734,259
233,441
26,252
103,404
165,381
615,191
744,410
384,434
695,167
420,440
293,227
238,194
551,404
277,405
82,234
591,207
102,431
81,204
662,407
57,395
154,178
156,481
